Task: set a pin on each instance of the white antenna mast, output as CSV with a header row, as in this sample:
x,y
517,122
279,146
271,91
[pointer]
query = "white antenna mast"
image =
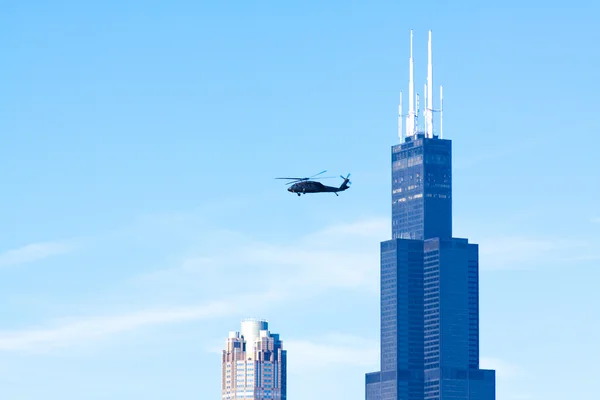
x,y
410,119
429,96
425,117
441,110
416,117
400,133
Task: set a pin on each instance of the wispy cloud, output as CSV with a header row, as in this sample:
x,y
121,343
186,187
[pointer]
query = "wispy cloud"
x,y
35,252
317,269
74,331
344,256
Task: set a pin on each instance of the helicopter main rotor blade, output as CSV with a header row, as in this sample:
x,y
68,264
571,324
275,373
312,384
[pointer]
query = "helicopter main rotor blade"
x,y
322,172
294,180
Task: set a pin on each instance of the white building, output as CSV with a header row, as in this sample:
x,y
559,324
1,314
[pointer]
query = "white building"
x,y
254,364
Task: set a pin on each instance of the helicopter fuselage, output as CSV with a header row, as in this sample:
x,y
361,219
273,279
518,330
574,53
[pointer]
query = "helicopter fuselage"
x,y
315,187
306,185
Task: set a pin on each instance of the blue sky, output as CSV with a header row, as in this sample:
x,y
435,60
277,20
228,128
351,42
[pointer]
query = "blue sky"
x,y
141,221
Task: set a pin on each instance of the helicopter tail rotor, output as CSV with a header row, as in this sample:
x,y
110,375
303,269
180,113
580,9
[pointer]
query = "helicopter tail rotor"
x,y
346,184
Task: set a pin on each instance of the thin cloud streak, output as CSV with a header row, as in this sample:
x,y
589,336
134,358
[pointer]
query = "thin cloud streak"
x,y
88,328
35,252
345,256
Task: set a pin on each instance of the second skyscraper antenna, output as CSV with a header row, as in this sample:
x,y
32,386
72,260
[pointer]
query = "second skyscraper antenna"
x,y
410,118
429,96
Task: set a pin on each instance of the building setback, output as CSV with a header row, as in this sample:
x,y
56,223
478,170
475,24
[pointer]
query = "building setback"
x,y
254,364
429,279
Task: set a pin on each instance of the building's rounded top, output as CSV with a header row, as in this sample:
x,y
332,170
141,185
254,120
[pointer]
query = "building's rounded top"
x,y
251,333
254,325
254,320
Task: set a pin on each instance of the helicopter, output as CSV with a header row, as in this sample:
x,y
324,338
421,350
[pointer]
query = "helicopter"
x,y
308,185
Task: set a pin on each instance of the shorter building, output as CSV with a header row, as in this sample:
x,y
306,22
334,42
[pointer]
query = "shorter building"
x,y
254,364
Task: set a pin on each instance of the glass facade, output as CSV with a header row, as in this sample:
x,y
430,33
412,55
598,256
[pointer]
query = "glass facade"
x,y
402,319
422,189
429,288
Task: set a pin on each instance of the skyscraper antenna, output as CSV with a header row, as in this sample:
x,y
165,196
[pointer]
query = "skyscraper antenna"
x,y
441,110
400,116
410,119
416,118
425,117
429,96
